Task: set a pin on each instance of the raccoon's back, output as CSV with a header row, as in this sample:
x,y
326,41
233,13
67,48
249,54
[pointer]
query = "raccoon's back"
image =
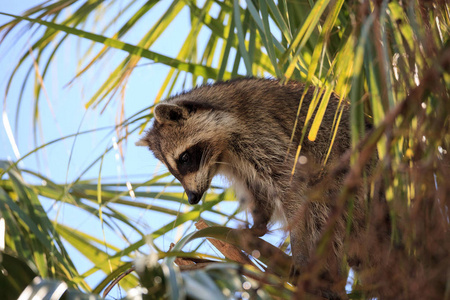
x,y
269,107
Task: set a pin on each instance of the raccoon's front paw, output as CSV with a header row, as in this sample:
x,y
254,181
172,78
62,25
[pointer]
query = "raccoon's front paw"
x,y
259,229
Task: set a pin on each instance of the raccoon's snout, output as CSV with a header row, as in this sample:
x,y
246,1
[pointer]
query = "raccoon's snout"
x,y
194,197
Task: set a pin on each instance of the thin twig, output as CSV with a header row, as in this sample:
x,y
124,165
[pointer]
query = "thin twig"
x,y
115,281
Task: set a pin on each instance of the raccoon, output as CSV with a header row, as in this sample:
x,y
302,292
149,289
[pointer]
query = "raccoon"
x,y
248,130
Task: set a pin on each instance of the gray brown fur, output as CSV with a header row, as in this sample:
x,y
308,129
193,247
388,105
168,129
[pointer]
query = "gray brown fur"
x,y
242,129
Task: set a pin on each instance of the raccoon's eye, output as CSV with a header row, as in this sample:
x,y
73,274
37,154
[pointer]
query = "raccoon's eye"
x,y
184,158
192,159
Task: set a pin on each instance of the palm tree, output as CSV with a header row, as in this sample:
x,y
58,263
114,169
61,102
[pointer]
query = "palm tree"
x,y
389,59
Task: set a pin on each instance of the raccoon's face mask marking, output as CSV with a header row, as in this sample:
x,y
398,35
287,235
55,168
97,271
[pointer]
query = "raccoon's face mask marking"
x,y
184,138
189,161
194,171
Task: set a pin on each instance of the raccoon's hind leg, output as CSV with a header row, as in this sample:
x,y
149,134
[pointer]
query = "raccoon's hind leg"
x,y
306,228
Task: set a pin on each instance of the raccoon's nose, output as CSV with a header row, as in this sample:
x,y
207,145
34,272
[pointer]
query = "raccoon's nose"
x,y
193,197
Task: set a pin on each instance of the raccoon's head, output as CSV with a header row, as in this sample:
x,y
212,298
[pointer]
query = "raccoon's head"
x,y
189,138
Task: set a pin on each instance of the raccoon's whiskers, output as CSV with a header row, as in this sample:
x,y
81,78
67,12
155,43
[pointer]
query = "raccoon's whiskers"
x,y
221,163
205,154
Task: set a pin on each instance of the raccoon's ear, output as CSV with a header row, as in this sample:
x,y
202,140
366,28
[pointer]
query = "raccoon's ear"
x,y
169,113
